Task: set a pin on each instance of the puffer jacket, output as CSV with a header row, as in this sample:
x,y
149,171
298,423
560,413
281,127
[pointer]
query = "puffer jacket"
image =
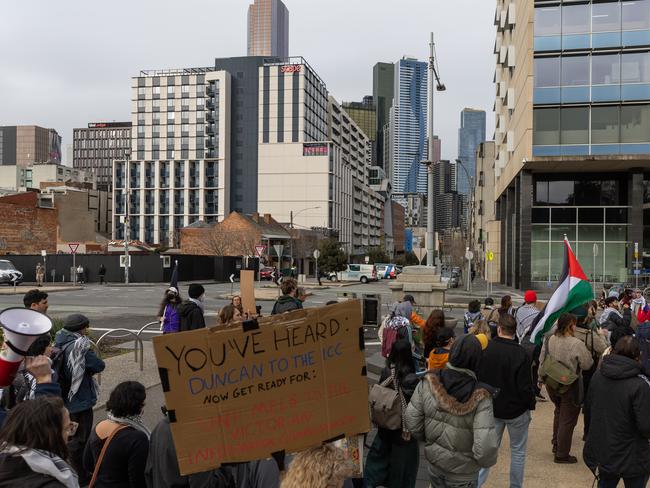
x,y
619,401
460,438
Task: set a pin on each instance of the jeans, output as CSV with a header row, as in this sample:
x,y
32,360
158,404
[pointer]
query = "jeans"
x,y
611,481
565,419
518,434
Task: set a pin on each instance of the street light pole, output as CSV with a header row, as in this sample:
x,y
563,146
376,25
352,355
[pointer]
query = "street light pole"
x,y
127,228
291,216
469,217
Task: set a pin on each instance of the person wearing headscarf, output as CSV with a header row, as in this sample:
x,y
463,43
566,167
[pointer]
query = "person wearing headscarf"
x,y
452,413
398,326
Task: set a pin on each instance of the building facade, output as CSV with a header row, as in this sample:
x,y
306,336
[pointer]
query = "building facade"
x,y
572,137
180,167
34,176
26,144
268,29
408,128
97,146
383,88
470,135
364,115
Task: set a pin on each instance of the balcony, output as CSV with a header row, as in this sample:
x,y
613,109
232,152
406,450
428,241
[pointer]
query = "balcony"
x,y
209,116
211,129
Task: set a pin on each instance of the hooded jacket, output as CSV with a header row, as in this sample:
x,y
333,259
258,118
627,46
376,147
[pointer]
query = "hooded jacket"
x,y
619,401
85,398
612,318
191,316
453,414
286,303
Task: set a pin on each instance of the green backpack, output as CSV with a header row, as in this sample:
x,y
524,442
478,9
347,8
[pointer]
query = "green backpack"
x,y
555,374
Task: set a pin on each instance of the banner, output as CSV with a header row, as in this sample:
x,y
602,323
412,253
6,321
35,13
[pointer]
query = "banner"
x,y
282,383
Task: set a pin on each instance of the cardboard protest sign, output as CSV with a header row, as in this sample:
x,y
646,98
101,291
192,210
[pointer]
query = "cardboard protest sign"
x,y
285,383
247,290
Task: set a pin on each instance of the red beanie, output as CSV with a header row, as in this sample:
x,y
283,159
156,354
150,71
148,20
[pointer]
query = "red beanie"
x,y
530,297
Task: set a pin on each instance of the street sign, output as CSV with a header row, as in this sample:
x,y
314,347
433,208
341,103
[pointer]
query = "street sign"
x,y
232,278
43,252
595,249
123,260
316,254
469,255
14,277
636,250
73,247
259,250
278,249
420,252
280,280
637,272
490,256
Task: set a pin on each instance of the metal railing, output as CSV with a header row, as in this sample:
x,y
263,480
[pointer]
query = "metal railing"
x,y
139,346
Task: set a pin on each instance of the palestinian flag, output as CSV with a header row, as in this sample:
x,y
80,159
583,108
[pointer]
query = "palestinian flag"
x,y
572,291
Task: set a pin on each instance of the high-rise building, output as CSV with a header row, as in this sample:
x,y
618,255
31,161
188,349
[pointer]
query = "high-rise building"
x,y
97,146
268,29
383,88
364,115
408,128
26,144
485,227
470,135
572,138
180,154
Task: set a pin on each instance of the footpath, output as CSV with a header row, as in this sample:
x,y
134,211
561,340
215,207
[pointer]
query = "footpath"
x,y
541,472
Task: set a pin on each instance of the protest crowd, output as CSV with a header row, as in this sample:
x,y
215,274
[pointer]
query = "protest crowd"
x,y
451,395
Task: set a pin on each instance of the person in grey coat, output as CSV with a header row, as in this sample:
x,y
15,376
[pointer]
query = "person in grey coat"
x,y
452,413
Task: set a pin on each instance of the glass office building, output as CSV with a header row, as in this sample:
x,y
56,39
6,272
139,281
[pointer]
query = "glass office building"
x,y
579,164
470,135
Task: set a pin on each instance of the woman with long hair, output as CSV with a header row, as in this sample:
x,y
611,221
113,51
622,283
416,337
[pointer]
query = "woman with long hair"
x,y
506,305
228,314
435,323
236,302
125,455
570,351
319,467
168,314
393,458
33,445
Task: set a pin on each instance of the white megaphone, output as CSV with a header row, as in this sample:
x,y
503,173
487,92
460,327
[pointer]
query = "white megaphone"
x,y
21,327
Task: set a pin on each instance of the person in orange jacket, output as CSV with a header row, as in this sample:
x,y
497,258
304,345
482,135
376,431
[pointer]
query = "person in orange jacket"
x,y
415,318
440,354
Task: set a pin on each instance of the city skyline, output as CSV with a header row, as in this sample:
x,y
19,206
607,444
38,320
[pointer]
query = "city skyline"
x,y
99,91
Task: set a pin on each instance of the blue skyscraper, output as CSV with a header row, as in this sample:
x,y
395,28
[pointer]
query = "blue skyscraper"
x,y
470,135
408,128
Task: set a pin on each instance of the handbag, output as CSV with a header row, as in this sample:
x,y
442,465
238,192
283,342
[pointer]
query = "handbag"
x,y
101,455
555,374
386,403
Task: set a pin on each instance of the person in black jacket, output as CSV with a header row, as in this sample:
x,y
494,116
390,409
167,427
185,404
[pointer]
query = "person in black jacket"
x,y
619,402
393,458
191,310
612,318
288,301
506,366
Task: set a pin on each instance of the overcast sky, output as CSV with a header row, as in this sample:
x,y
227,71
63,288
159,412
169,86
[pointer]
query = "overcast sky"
x,y
66,63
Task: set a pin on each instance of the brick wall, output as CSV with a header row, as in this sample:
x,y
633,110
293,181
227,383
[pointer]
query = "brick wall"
x,y
26,228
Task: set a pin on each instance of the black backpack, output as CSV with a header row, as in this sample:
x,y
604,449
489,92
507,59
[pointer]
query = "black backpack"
x,y
59,366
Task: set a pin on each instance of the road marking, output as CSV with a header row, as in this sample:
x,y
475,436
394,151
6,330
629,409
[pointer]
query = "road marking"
x,y
372,343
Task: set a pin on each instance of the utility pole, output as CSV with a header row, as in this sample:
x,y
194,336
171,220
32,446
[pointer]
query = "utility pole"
x,y
433,76
127,228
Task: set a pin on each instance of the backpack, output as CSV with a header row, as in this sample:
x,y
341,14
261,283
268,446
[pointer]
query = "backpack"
x,y
387,403
59,365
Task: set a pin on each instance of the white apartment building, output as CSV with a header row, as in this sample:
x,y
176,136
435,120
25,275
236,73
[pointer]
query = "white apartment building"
x,y
22,178
179,170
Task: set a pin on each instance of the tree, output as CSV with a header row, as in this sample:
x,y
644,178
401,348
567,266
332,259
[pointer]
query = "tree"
x,y
332,258
407,259
377,255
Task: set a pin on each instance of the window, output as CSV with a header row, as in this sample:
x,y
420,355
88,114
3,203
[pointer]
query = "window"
x,y
185,91
635,123
548,21
604,125
141,131
156,105
170,105
140,119
140,105
605,69
170,92
141,92
546,126
606,17
575,70
185,104
156,92
636,67
576,19
547,72
171,117
636,15
574,124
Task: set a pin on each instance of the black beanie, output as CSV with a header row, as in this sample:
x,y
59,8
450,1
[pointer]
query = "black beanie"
x,y
76,322
196,290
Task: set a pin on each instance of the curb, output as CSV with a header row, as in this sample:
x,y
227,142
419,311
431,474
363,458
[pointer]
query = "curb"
x,y
10,291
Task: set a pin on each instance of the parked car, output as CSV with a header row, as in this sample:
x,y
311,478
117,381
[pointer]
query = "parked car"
x,y
8,271
386,271
265,273
356,272
454,280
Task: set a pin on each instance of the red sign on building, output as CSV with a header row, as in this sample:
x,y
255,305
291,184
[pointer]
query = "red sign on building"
x,y
291,68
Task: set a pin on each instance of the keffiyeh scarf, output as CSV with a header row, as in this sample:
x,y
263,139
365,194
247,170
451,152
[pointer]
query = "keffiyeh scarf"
x,y
44,462
77,364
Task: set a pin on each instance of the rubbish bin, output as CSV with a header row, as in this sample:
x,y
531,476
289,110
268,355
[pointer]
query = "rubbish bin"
x,y
342,296
371,309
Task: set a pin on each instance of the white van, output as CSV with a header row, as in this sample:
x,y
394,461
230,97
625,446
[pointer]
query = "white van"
x,y
356,272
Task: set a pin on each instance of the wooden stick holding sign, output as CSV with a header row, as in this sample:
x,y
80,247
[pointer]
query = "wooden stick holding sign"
x,y
284,383
247,290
